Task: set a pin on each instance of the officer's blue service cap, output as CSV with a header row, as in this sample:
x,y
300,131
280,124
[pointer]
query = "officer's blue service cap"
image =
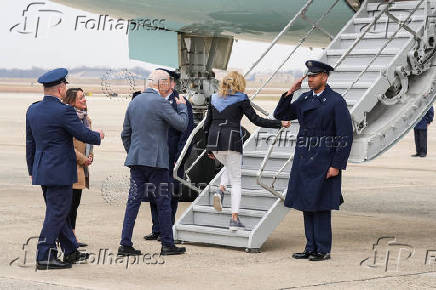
x,y
53,77
315,67
173,74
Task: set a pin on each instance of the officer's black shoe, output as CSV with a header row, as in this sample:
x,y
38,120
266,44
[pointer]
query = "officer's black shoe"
x,y
422,155
82,245
75,257
128,251
304,255
166,251
415,155
152,237
319,257
52,265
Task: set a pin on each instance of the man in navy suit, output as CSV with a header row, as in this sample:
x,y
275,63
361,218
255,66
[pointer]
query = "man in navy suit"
x,y
51,161
176,142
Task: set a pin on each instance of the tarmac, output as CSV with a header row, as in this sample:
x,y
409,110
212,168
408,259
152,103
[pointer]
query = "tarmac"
x,y
384,236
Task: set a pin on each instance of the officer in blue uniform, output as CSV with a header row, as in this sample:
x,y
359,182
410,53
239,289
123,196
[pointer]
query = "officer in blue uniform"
x,y
420,131
176,142
51,161
322,149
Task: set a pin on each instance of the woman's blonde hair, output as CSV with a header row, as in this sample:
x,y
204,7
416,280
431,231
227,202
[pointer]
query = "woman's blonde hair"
x,y
232,83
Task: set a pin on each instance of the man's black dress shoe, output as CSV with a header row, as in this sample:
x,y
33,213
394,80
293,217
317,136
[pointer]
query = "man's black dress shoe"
x,y
304,255
422,155
166,251
319,257
415,155
52,265
75,257
128,251
152,237
82,245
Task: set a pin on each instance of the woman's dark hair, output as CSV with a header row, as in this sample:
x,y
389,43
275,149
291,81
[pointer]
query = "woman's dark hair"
x,y
71,95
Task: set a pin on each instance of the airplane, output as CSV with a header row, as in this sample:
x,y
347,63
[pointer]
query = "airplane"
x,y
382,52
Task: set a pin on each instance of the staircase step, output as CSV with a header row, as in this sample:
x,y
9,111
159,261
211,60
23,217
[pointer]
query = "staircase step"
x,y
252,159
372,35
261,200
207,216
346,85
380,27
362,52
211,235
249,179
400,5
353,68
384,19
383,60
228,211
350,76
373,42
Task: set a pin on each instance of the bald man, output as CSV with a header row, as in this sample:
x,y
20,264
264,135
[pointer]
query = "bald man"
x,y
145,139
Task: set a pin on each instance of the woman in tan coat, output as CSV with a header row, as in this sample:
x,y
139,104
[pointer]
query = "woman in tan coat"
x,y
76,98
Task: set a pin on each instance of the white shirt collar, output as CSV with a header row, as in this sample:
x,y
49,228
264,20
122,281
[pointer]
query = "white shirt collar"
x,y
317,94
168,97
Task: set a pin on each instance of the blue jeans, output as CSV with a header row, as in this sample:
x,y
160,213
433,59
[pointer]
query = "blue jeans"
x,y
153,183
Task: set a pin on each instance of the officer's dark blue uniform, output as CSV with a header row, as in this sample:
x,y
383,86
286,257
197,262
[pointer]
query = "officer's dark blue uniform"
x,y
420,132
323,141
51,160
176,142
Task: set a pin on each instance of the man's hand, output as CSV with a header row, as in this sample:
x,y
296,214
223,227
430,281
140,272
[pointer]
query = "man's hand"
x,y
88,162
286,124
332,172
296,86
211,156
100,131
180,100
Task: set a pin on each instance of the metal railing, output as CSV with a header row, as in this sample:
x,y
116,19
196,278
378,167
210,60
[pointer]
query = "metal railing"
x,y
271,188
401,25
201,124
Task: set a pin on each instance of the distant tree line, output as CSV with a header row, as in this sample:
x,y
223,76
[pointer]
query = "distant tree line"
x,y
35,72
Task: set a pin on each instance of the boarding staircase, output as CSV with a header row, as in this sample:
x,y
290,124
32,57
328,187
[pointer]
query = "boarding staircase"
x,y
383,60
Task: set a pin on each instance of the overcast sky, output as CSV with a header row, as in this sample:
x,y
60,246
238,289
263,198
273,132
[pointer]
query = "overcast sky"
x,y
62,46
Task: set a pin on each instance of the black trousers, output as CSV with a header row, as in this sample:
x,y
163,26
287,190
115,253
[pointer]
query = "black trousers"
x,y
77,195
421,141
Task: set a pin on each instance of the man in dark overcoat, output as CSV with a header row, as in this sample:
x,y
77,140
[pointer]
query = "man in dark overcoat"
x,y
322,149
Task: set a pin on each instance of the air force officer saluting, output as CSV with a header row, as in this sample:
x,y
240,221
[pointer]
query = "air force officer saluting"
x,y
323,146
